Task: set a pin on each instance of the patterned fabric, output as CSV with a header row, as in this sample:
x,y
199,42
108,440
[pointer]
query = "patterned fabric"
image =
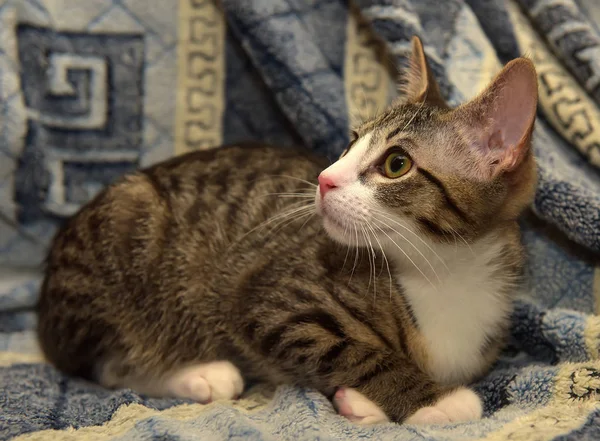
x,y
91,90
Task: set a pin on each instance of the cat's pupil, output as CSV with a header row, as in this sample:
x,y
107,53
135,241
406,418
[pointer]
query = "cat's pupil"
x,y
397,164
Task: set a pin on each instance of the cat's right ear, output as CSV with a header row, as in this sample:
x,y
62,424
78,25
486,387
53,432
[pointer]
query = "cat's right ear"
x,y
498,123
419,83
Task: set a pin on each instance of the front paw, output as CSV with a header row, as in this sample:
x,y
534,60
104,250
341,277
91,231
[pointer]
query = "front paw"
x,y
357,408
461,405
206,382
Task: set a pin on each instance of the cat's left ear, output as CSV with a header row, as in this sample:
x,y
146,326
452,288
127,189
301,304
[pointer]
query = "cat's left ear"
x,y
499,122
419,83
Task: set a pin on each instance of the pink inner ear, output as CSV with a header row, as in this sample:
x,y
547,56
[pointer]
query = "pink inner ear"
x,y
496,141
507,109
516,104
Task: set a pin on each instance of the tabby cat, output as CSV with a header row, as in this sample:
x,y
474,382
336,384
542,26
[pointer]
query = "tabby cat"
x,y
197,275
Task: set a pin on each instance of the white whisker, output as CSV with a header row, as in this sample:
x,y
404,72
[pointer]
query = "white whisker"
x,y
303,196
413,245
384,215
297,212
407,256
294,178
456,233
372,266
299,192
282,224
382,252
306,221
356,255
370,261
292,209
347,248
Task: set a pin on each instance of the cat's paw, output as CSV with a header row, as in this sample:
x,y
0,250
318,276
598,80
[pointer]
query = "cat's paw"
x,y
206,382
428,415
357,408
461,405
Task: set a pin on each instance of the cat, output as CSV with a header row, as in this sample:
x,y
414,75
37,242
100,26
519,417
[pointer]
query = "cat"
x,y
199,274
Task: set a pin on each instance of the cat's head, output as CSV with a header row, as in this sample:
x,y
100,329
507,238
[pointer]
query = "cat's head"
x,y
434,170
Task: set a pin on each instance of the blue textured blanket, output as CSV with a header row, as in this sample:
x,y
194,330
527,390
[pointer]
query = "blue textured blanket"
x,y
92,89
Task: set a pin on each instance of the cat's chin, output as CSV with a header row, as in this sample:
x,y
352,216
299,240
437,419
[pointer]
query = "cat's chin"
x,y
343,232
339,232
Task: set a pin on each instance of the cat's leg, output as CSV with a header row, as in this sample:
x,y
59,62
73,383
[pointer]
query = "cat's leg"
x,y
385,389
394,388
459,405
379,383
379,387
201,382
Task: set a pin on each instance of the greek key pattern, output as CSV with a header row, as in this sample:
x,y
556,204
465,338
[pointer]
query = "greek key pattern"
x,y
367,79
83,130
88,93
573,38
572,113
201,73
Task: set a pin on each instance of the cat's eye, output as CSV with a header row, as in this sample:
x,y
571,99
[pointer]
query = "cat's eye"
x,y
396,165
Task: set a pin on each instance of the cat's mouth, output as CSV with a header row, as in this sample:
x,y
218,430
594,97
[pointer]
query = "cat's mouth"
x,y
343,224
348,229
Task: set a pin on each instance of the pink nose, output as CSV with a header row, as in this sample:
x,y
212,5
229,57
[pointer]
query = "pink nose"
x,y
325,184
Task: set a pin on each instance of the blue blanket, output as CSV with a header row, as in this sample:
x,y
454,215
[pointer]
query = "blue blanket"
x,y
93,89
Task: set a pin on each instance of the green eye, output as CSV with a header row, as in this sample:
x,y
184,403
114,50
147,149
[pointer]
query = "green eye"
x,y
396,165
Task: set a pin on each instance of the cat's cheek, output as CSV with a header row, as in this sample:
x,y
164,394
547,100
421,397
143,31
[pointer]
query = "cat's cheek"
x,y
345,235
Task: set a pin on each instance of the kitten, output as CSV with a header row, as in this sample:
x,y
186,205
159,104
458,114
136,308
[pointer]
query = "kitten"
x,y
166,283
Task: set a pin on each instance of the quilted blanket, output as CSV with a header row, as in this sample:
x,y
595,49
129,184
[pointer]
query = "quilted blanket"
x,y
93,89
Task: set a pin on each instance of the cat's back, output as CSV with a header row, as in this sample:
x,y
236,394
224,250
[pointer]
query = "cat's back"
x,y
202,201
157,231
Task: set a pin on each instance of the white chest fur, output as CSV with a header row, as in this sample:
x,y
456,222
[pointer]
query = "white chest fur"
x,y
458,308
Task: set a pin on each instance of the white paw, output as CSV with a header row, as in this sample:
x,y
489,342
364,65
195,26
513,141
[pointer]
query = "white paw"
x,y
461,405
218,380
358,408
428,415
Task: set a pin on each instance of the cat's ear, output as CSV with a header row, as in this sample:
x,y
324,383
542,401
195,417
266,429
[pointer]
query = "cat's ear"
x,y
419,83
499,122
